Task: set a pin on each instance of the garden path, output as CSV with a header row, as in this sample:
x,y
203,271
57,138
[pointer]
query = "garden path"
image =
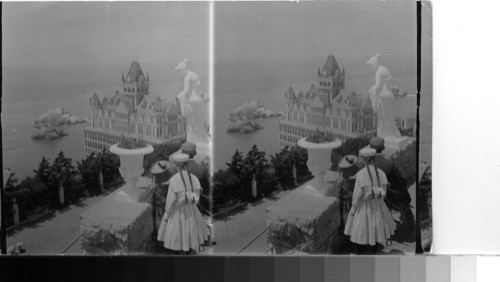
x,y
52,234
232,234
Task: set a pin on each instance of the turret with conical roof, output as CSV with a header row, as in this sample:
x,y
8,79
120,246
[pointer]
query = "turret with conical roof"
x,y
331,78
135,83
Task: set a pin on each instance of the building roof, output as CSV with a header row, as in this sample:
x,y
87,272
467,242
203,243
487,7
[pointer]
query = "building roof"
x,y
94,100
331,66
134,73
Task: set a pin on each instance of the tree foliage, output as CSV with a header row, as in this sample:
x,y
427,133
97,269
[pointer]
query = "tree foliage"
x,y
43,171
349,147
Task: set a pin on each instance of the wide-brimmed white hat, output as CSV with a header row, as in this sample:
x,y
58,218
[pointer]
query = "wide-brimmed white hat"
x,y
367,152
181,158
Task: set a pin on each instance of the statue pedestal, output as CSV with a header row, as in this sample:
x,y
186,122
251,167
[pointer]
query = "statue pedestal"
x,y
305,221
118,224
394,143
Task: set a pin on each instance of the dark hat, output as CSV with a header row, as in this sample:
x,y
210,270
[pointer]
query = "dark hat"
x,y
160,167
348,161
188,148
377,143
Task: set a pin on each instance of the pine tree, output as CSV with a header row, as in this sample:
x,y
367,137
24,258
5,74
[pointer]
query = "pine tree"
x,y
43,171
255,163
61,172
89,169
236,164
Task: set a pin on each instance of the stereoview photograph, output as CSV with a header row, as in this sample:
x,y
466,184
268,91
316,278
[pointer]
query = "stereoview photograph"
x,y
123,134
315,129
106,139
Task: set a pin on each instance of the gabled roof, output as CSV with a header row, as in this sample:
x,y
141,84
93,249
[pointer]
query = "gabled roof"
x,y
290,94
122,107
129,104
134,73
105,102
331,66
324,99
95,100
317,102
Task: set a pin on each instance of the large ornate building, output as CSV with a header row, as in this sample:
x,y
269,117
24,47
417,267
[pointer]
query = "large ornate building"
x,y
134,113
327,106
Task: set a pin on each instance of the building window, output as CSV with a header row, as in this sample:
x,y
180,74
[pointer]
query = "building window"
x,y
343,125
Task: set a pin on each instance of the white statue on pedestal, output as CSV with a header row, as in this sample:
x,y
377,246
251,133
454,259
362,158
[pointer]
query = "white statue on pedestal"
x,y
195,108
381,98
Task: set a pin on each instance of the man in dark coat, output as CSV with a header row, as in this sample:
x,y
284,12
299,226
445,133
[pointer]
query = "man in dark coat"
x,y
397,197
202,173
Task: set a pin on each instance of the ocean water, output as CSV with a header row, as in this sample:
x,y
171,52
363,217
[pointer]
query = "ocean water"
x,y
267,82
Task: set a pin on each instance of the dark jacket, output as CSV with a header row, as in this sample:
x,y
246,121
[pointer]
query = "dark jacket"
x,y
397,197
203,175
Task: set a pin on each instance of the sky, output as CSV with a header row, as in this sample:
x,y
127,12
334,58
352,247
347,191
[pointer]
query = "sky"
x,y
304,29
86,40
88,43
305,33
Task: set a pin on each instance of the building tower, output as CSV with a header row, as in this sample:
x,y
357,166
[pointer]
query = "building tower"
x,y
135,84
331,79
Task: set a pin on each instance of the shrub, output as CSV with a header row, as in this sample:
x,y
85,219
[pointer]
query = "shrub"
x,y
131,143
161,152
31,195
110,166
349,147
225,189
320,137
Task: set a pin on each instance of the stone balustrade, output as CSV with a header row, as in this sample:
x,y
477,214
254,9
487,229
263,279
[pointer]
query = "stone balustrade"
x,y
118,224
306,221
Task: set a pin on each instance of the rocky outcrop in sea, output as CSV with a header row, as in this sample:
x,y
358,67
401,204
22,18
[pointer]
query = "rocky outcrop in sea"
x,y
241,118
48,132
57,117
243,126
46,126
252,110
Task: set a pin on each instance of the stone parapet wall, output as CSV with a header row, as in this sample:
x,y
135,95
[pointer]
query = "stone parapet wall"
x,y
305,221
117,225
406,161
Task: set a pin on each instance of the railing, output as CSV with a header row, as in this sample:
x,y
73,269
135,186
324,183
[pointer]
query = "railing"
x,y
72,243
251,241
35,214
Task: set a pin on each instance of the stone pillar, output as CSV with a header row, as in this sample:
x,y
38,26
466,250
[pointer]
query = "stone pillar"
x,y
118,224
61,194
254,187
294,174
101,180
305,221
15,211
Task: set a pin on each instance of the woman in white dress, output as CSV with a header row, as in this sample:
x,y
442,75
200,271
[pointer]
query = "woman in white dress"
x,y
369,221
381,96
183,227
195,108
